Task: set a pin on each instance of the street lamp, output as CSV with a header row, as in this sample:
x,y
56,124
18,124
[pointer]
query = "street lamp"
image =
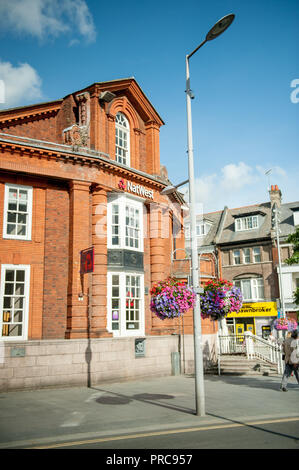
x,y
275,211
214,32
171,189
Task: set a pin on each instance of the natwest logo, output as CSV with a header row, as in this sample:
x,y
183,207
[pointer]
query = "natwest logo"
x,y
136,189
122,184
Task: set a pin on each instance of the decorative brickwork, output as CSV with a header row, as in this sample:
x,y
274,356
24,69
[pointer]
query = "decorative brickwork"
x,y
65,151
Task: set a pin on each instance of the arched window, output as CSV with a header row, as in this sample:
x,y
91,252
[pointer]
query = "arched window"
x,y
122,139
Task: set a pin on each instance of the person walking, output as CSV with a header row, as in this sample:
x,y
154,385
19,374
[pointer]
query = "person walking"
x,y
290,349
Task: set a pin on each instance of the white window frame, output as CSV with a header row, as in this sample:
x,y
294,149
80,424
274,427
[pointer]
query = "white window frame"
x,y
29,190
202,229
254,288
15,267
255,254
126,130
123,201
187,232
237,256
242,223
246,256
122,331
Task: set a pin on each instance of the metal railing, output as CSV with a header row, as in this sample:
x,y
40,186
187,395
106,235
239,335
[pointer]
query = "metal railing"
x,y
251,346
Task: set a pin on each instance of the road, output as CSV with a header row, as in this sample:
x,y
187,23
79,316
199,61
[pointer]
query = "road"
x,y
280,433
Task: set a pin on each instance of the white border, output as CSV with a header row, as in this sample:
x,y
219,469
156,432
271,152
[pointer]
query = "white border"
x,y
26,268
121,200
29,222
128,131
122,332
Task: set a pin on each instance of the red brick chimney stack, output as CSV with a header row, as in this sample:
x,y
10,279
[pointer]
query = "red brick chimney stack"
x,y
275,195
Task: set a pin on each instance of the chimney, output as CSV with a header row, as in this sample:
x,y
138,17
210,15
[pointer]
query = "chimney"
x,y
275,195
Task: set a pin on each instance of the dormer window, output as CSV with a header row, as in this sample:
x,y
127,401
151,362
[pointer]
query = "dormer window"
x,y
296,216
202,229
122,139
246,223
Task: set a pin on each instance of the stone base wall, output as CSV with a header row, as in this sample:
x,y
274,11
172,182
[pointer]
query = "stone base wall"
x,y
80,362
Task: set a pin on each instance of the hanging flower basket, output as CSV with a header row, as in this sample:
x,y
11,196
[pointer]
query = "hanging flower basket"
x,y
285,324
292,325
171,298
219,298
281,324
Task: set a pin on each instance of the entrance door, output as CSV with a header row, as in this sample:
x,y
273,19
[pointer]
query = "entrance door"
x,y
239,333
239,329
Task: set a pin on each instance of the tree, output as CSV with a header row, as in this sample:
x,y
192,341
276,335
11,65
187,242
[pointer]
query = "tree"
x,y
294,259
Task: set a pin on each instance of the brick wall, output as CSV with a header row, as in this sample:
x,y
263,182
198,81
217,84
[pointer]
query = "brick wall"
x,y
56,262
28,252
40,127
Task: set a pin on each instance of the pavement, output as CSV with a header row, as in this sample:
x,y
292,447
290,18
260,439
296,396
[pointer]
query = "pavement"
x,y
52,417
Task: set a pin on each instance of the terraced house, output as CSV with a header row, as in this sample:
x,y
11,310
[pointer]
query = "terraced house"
x,y
243,242
85,234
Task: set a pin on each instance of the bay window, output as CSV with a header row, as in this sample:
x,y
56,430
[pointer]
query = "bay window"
x,y
125,280
125,223
251,288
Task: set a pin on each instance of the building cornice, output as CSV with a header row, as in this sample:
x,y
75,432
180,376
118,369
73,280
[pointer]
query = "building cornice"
x,y
41,110
48,150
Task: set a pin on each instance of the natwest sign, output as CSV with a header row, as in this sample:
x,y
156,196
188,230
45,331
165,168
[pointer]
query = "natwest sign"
x,y
136,189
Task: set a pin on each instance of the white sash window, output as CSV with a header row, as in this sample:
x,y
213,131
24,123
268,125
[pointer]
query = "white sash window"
x,y
125,223
125,303
17,212
252,289
122,139
14,301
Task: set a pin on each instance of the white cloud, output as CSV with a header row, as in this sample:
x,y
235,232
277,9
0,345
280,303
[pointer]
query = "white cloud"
x,y
43,18
236,185
236,176
21,84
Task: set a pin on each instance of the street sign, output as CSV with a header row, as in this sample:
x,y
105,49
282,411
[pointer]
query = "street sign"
x,y
87,261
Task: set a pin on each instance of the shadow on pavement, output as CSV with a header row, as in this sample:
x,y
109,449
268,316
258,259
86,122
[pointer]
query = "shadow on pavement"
x,y
264,382
113,398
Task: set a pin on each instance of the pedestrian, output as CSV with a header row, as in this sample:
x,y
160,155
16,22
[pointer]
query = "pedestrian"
x,y
289,333
271,338
290,349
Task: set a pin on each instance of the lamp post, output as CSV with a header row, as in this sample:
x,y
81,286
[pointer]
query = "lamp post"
x,y
275,214
217,29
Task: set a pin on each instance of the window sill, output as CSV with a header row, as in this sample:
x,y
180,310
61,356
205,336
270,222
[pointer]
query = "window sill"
x,y
6,237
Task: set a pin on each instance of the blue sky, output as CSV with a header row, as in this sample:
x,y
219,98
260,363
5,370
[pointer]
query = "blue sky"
x,y
246,82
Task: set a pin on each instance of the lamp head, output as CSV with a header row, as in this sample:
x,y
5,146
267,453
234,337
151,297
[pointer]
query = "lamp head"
x,y
220,27
168,190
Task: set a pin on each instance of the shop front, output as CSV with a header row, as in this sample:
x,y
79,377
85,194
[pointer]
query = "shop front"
x,y
256,317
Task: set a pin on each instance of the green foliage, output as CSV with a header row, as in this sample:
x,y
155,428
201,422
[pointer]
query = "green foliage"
x,y
294,239
294,259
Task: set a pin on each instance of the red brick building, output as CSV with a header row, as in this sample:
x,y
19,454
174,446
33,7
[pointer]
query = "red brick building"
x,y
84,171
